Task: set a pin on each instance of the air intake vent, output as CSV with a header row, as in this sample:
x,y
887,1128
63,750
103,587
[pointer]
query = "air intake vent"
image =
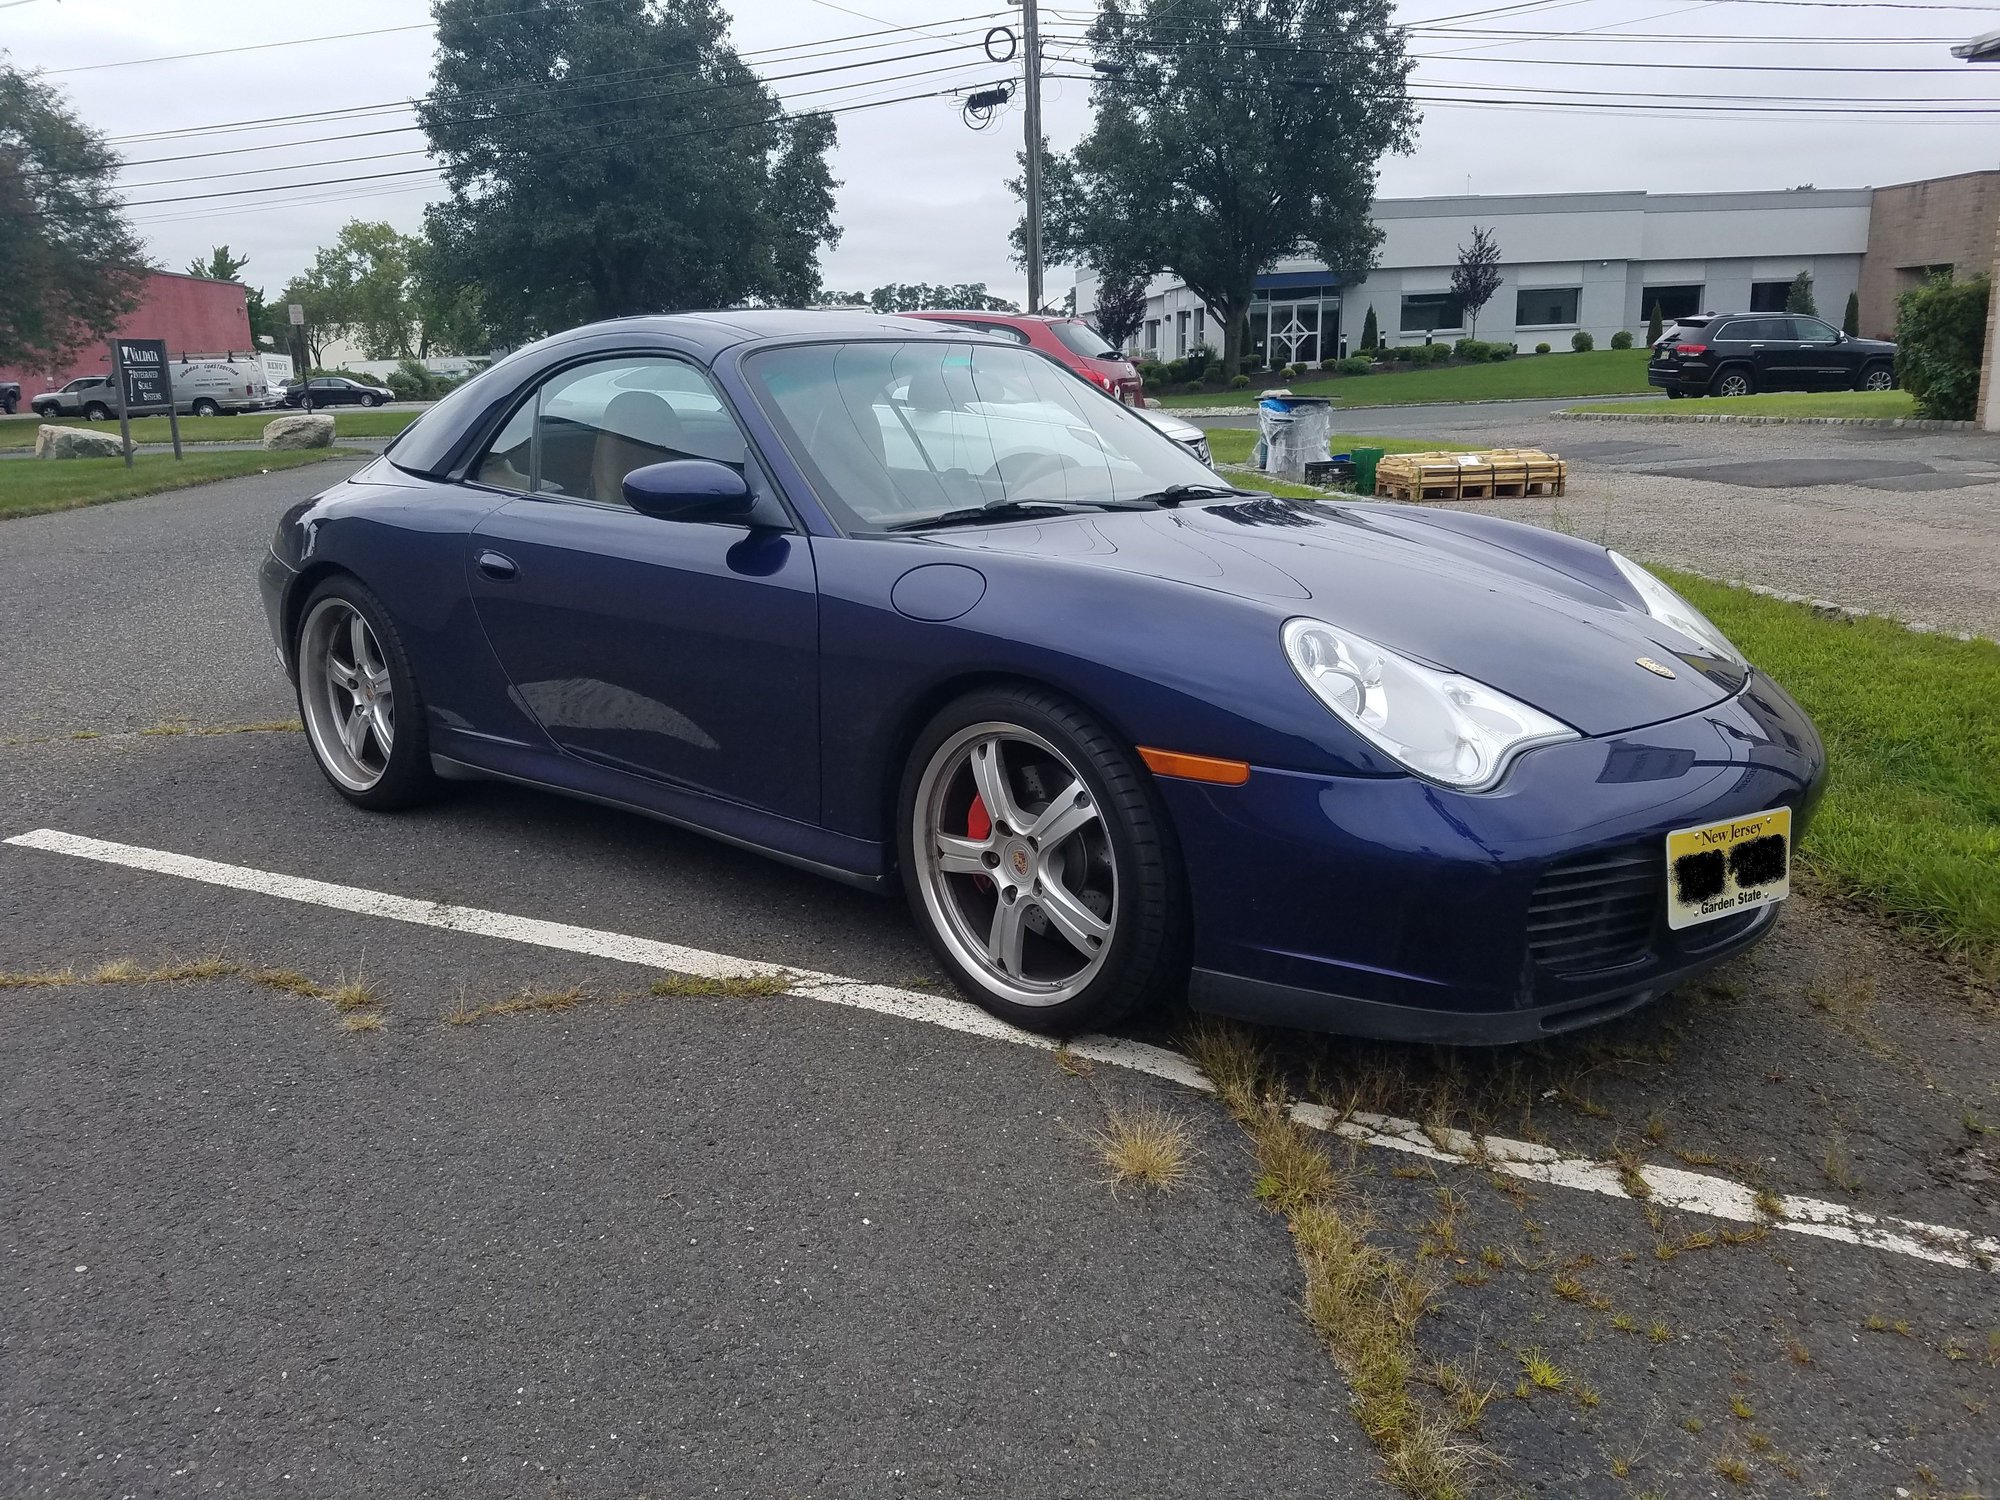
x,y
1597,911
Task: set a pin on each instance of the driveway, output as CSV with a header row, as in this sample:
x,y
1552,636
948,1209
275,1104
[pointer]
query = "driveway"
x,y
535,1230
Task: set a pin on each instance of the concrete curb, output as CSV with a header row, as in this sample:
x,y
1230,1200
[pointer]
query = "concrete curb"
x,y
1915,424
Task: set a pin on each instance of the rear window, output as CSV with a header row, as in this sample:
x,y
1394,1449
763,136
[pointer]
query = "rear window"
x,y
1081,338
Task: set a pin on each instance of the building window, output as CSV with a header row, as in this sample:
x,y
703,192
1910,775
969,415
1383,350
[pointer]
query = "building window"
x,y
1152,335
1546,306
1672,301
1769,296
1180,334
1200,327
1431,312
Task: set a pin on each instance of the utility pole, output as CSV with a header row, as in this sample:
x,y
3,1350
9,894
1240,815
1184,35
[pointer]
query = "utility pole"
x,y
1031,37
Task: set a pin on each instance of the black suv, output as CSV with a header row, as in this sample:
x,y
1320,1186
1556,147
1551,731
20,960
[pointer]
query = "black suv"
x,y
1737,354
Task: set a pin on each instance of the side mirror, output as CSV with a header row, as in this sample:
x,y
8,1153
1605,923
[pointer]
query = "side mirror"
x,y
689,489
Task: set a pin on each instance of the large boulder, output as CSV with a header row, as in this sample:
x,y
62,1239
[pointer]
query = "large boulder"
x,y
301,431
76,442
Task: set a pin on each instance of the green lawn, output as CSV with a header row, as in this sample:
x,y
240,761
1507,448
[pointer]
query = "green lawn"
x,y
1232,445
1777,404
1603,372
1911,821
29,487
19,432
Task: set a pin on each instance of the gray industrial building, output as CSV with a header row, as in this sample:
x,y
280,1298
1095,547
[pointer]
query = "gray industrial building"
x,y
1596,262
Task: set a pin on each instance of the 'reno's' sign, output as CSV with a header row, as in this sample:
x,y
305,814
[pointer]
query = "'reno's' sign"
x,y
142,365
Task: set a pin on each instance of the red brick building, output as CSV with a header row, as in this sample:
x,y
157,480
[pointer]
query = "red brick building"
x,y
193,314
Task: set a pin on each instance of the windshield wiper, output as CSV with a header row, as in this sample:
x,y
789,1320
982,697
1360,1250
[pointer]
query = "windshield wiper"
x,y
1174,494
1014,510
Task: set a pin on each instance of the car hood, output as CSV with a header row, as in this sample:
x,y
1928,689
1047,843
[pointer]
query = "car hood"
x,y
1502,608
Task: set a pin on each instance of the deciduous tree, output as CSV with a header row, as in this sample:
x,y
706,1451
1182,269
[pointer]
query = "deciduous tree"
x,y
70,264
1476,277
606,157
1121,306
1229,134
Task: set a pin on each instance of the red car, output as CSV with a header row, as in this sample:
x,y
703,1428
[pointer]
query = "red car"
x,y
1070,342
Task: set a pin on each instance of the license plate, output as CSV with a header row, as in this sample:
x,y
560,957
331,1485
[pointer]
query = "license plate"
x,y
1727,867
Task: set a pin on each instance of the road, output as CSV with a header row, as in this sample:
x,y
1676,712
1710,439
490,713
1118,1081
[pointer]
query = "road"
x,y
781,1246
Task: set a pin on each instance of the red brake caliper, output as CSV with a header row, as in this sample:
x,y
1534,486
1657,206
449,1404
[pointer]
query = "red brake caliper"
x,y
979,825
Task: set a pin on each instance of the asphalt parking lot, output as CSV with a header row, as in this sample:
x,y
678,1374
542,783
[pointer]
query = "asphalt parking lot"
x,y
376,1187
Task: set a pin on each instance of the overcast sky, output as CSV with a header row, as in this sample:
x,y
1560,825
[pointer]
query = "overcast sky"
x,y
922,196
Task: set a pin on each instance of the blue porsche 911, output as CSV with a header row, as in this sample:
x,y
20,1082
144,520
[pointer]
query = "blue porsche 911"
x,y
900,603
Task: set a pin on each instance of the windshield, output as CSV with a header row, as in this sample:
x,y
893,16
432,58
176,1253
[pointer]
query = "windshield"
x,y
895,433
1081,338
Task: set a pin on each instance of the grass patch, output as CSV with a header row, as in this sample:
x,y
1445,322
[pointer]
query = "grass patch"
x,y
1360,1299
30,487
1602,372
1147,1148
354,1002
722,987
19,432
1779,404
1911,822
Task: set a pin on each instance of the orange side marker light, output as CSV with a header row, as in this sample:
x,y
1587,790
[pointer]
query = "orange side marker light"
x,y
1195,767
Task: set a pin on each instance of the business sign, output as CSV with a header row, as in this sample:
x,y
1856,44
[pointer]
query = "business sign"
x,y
296,313
142,365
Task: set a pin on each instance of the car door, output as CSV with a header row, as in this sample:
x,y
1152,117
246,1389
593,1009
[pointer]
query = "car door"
x,y
685,651
1774,352
1823,358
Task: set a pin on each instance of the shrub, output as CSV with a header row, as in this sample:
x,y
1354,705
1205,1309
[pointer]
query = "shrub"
x,y
1653,326
1541,348
1370,335
1199,358
1192,388
1239,383
1851,323
1582,342
1355,364
1152,373
1940,329
1621,339
1428,354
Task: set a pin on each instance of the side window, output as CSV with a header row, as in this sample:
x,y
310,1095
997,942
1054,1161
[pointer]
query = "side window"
x,y
586,428
1812,331
509,462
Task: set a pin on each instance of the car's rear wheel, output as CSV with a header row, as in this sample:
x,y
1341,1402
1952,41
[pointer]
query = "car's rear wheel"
x,y
207,408
1674,395
97,411
1878,377
1734,381
358,699
1037,860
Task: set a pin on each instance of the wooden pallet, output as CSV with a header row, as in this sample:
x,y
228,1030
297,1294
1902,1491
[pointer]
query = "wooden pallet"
x,y
1505,473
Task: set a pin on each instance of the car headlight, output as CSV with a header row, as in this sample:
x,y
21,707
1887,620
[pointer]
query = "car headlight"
x,y
1670,609
1442,726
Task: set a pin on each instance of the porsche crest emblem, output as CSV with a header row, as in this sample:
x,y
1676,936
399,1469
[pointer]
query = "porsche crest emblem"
x,y
1655,668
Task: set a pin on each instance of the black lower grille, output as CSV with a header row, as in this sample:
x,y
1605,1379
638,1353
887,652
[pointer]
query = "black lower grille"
x,y
1597,911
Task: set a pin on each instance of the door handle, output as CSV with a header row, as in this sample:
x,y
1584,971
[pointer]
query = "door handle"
x,y
497,565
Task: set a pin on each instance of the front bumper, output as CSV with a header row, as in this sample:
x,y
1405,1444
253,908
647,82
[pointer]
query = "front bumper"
x,y
1390,907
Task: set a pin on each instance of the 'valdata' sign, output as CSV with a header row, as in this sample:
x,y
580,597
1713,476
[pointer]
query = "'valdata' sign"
x,y
142,363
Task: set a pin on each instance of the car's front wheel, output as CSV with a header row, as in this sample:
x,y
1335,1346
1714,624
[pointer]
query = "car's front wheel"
x,y
1037,859
358,699
368,399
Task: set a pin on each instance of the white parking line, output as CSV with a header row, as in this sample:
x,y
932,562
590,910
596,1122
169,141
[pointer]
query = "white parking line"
x,y
1690,1192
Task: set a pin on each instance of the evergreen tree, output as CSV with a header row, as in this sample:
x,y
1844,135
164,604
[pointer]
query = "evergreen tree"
x,y
1371,334
1799,299
1851,323
1654,326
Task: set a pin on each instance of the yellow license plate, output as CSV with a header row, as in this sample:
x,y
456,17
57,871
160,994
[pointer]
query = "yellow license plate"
x,y
1728,867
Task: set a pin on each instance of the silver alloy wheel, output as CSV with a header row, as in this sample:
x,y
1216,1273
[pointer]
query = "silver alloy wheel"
x,y
1029,905
346,695
1733,384
1878,379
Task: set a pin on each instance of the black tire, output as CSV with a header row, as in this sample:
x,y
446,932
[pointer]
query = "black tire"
x,y
206,408
369,400
46,412
1729,377
407,778
97,411
1146,957
1674,395
1878,376
8,406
